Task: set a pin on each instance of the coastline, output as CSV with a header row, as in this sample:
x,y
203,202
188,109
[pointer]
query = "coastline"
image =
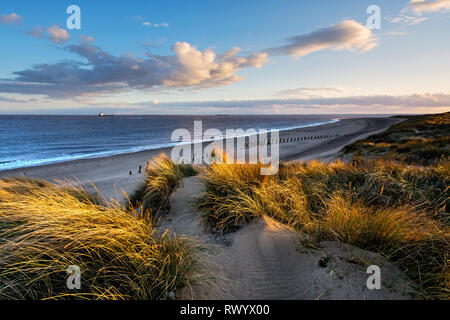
x,y
22,164
111,174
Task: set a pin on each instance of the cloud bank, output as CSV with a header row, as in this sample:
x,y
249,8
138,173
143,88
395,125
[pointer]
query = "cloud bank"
x,y
427,100
104,73
188,67
358,104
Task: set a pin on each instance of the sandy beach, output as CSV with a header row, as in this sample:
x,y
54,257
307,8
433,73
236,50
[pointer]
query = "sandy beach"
x,y
111,175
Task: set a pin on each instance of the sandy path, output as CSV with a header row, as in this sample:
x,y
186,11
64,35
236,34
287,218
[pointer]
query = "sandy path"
x,y
262,263
264,260
182,218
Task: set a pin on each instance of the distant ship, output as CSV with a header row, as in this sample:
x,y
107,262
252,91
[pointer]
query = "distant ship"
x,y
101,114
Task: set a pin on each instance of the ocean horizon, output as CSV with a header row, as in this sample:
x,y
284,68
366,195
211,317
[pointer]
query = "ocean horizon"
x,y
33,140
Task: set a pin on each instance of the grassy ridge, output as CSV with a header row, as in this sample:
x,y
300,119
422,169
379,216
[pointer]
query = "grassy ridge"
x,y
378,183
44,229
416,140
401,212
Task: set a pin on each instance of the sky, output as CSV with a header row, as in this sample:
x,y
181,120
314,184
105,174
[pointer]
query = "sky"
x,y
225,57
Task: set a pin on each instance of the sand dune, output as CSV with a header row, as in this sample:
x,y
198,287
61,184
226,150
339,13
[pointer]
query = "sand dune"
x,y
265,260
262,260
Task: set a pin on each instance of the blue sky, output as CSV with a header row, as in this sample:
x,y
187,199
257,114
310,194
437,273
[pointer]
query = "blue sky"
x,y
180,57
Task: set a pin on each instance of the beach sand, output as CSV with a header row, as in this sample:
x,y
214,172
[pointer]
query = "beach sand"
x,y
111,175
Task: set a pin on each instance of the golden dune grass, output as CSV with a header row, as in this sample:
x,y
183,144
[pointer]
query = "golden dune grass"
x,y
401,212
44,229
162,176
418,139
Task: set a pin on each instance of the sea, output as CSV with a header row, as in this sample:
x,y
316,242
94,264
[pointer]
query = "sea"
x,y
37,139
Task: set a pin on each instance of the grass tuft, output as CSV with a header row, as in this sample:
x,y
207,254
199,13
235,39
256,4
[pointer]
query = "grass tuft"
x,y
227,185
44,229
162,176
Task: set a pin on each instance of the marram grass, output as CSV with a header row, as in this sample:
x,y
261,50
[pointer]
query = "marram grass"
x,y
420,139
162,176
400,212
44,229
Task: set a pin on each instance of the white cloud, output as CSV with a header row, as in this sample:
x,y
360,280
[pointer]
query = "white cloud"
x,y
156,25
12,18
346,35
420,6
409,20
413,13
206,69
405,17
36,32
58,35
